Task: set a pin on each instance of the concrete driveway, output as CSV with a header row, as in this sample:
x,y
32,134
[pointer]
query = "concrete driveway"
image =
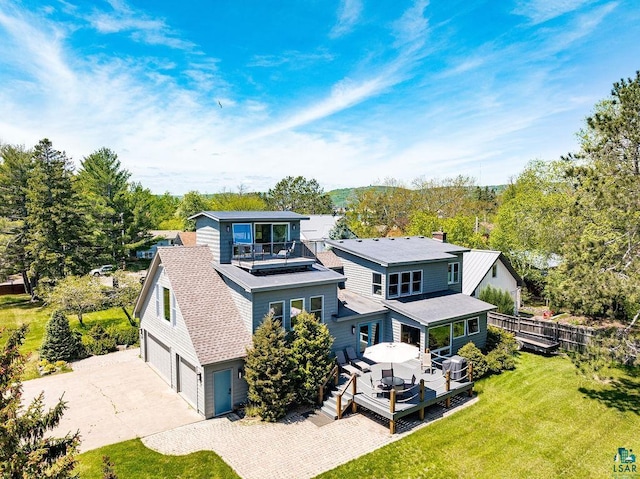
x,y
112,398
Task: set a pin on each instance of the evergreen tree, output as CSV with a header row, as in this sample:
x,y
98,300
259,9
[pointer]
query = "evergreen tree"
x,y
103,185
25,452
311,353
498,297
341,230
56,228
269,371
59,343
15,167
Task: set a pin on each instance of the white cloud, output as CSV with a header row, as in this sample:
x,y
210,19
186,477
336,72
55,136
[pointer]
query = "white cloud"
x,y
539,11
348,15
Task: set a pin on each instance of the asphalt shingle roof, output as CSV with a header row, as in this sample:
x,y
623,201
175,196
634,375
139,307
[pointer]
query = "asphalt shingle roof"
x,y
214,324
329,259
397,251
251,215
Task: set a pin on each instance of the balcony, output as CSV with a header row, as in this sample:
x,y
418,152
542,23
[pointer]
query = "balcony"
x,y
266,257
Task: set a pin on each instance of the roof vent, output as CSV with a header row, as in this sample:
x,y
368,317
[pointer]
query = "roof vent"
x,y
407,237
359,240
391,239
375,239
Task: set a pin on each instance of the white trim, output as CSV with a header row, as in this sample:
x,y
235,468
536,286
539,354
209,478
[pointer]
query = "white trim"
x,y
477,318
321,310
274,316
448,347
290,326
453,273
374,284
464,328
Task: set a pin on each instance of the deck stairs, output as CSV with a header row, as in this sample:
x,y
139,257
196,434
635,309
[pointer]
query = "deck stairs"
x,y
329,405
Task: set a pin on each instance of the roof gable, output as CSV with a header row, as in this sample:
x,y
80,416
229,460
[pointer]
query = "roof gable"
x,y
477,263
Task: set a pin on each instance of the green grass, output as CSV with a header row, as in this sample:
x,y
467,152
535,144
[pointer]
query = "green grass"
x,y
18,309
132,460
539,421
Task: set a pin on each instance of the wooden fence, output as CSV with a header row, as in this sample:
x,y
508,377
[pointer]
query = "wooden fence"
x,y
570,337
15,288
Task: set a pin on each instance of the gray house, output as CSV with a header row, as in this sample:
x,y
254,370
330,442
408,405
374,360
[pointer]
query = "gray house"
x,y
200,305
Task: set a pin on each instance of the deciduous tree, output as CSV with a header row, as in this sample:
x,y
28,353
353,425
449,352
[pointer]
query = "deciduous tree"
x,y
300,195
77,295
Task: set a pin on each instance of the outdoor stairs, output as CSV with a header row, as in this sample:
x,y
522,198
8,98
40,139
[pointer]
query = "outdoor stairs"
x,y
329,405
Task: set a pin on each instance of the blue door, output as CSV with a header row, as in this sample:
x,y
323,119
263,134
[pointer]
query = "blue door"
x,y
222,392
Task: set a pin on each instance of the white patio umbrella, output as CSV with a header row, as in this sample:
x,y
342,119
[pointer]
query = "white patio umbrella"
x,y
391,352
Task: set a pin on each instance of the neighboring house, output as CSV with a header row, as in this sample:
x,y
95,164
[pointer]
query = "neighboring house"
x,y
315,230
484,268
161,238
200,305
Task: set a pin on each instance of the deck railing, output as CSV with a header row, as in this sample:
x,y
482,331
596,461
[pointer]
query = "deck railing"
x,y
334,375
351,382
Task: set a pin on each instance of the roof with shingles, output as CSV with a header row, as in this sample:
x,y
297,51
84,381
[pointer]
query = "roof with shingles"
x,y
187,238
214,324
329,259
251,215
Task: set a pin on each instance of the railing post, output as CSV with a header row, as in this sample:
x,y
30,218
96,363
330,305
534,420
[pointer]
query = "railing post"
x,y
320,394
354,406
470,376
447,384
336,375
422,399
392,410
339,406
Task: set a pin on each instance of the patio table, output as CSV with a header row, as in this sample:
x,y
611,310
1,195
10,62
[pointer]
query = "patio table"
x,y
395,382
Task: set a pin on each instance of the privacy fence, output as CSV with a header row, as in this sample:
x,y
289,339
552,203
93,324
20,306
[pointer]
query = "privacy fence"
x,y
570,337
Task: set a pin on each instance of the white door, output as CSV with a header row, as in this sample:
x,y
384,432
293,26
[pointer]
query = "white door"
x,y
159,356
188,382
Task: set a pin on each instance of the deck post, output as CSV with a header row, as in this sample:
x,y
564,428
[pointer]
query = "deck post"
x,y
422,399
447,386
336,376
320,394
470,376
339,406
354,406
392,409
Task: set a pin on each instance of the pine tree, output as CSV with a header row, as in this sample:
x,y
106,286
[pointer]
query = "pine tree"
x,y
311,352
56,234
59,344
269,371
24,449
498,297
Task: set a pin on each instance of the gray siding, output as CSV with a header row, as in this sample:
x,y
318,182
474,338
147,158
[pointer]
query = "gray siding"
x,y
435,277
457,287
359,273
242,300
173,334
341,331
239,386
207,232
261,301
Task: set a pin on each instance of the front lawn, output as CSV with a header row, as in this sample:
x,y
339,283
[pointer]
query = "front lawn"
x,y
18,309
132,460
540,421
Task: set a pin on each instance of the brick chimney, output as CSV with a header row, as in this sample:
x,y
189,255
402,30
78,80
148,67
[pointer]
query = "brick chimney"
x,y
440,236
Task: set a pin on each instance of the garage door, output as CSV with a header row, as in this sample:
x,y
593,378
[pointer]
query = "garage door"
x,y
159,356
188,382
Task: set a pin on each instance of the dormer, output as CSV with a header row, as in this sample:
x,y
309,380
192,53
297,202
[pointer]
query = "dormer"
x,y
257,241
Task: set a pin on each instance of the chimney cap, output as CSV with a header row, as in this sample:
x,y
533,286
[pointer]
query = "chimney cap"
x,y
439,236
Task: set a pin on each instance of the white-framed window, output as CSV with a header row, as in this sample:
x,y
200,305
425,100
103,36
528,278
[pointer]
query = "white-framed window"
x,y
454,273
316,306
416,282
168,305
242,233
394,280
458,329
405,283
296,306
494,271
376,284
439,339
157,300
473,326
276,309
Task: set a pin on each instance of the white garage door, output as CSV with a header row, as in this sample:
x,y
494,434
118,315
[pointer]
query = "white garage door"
x,y
188,382
159,356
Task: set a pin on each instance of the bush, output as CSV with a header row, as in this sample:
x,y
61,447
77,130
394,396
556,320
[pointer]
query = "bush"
x,y
124,335
499,297
60,343
474,356
97,341
497,337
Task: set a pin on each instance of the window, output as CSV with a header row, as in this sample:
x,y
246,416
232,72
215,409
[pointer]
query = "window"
x,y
473,326
157,300
494,271
276,310
405,283
296,306
166,300
316,307
416,282
376,282
271,233
458,329
409,334
242,233
440,339
393,285
454,273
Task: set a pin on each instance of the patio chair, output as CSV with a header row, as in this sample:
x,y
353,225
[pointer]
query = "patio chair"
x,y
427,362
412,383
376,387
387,373
344,364
356,361
286,252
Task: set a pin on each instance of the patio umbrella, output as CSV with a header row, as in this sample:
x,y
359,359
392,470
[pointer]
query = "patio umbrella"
x,y
391,352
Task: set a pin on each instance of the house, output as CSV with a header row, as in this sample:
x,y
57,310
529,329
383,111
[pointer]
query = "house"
x,y
200,305
167,238
484,268
315,230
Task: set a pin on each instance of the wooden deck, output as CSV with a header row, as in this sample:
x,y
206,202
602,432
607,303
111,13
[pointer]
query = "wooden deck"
x,y
397,404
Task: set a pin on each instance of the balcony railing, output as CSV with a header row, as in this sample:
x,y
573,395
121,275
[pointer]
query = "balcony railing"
x,y
269,251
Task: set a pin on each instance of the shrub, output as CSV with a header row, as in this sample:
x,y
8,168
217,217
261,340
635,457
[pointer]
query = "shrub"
x,y
497,337
97,341
474,356
124,335
60,343
499,297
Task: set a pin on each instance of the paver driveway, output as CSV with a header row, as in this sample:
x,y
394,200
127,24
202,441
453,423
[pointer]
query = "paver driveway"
x,y
113,398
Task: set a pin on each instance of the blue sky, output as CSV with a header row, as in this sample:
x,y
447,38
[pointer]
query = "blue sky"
x,y
348,92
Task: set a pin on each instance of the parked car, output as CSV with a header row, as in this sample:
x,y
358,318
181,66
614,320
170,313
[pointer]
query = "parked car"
x,y
103,270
